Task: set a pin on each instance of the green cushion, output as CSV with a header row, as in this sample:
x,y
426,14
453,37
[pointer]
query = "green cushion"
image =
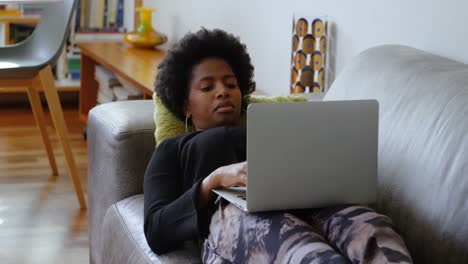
x,y
167,125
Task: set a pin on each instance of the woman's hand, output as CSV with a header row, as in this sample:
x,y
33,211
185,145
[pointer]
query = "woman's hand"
x,y
225,176
230,175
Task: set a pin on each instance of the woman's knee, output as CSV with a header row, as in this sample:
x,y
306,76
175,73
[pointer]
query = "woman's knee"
x,y
220,143
362,214
226,220
224,232
210,138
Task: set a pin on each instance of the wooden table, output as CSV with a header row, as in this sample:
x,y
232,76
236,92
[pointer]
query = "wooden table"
x,y
137,66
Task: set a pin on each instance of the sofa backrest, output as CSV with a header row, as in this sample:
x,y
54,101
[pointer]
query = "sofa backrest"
x,y
423,144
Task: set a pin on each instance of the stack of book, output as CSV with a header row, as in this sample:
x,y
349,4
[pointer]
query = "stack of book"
x,y
107,81
122,94
113,88
73,63
126,91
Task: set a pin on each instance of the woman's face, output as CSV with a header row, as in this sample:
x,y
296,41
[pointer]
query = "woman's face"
x,y
214,97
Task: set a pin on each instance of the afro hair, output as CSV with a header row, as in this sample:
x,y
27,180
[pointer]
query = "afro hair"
x,y
175,69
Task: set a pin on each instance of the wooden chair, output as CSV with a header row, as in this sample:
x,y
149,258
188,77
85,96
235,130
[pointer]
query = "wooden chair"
x,y
27,66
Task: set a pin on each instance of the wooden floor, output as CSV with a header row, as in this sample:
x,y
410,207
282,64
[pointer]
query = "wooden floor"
x,y
40,220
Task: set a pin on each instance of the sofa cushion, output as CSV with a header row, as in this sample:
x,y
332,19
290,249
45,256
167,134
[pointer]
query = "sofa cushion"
x,y
167,125
423,144
123,239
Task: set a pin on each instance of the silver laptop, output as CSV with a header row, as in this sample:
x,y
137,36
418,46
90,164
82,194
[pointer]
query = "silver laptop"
x,y
309,155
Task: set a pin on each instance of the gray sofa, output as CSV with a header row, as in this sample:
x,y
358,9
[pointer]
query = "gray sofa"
x,y
423,158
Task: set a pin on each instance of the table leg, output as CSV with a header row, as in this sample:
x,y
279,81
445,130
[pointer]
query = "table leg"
x,y
89,87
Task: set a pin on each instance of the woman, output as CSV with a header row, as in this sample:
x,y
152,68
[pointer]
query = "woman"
x,y
203,80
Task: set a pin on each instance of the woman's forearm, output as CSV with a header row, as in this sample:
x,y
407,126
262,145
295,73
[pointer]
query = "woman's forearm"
x,y
206,195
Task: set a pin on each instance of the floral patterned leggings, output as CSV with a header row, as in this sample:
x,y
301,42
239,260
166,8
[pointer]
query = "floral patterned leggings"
x,y
344,234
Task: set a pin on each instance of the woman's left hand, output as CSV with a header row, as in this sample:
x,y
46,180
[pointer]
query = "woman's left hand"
x,y
230,175
225,176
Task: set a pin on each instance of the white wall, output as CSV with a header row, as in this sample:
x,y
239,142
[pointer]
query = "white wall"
x,y
438,26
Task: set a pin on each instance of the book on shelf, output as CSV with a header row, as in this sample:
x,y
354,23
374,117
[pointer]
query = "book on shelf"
x,y
61,66
100,14
73,66
73,51
119,20
97,14
111,13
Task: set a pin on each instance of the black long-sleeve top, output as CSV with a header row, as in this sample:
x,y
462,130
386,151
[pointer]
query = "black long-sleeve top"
x,y
171,189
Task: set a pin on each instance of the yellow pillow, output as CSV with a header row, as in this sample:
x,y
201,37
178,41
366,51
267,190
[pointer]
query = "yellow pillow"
x,y
167,125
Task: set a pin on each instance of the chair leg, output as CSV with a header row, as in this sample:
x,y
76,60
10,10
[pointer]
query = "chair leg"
x,y
47,81
40,121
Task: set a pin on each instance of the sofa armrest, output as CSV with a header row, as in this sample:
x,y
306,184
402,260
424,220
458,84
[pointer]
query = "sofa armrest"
x,y
123,239
120,145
